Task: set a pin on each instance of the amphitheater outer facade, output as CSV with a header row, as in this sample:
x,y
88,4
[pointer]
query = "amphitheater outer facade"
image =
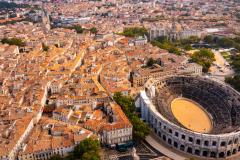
x,y
218,99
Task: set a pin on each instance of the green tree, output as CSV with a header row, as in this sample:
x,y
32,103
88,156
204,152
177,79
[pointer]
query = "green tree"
x,y
174,50
13,41
93,30
203,57
134,32
236,63
140,129
187,47
209,39
88,148
225,42
234,82
77,28
190,40
150,62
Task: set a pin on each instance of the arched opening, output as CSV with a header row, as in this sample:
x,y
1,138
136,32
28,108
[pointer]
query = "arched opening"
x,y
205,153
228,153
169,141
159,134
236,141
175,144
223,144
239,148
198,142
189,150
182,147
221,155
206,143
213,154
164,137
197,152
190,139
230,142
214,143
234,151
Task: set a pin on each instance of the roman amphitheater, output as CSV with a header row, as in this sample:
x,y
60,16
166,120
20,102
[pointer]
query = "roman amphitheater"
x,y
194,115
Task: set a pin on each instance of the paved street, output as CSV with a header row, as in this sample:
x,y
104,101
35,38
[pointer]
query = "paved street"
x,y
220,70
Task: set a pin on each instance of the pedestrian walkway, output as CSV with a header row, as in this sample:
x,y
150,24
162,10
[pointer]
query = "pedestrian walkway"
x,y
166,151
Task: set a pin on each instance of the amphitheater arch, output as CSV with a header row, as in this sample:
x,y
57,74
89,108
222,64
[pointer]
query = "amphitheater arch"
x,y
175,144
223,144
205,153
197,152
206,143
229,153
159,134
164,137
159,124
189,150
221,155
234,151
214,143
213,154
236,141
169,141
176,134
190,139
182,147
155,130
198,142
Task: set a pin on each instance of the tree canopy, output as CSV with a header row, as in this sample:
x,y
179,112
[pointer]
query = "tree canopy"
x,y
88,149
223,42
151,62
134,32
77,28
203,57
13,41
234,82
93,30
175,46
140,129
